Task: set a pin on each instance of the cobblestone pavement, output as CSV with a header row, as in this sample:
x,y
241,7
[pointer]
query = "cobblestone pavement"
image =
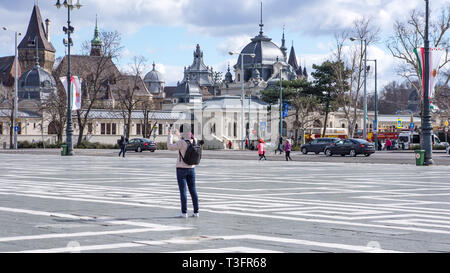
x,y
110,204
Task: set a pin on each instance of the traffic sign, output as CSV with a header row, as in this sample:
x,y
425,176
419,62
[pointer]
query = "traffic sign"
x,y
399,123
16,128
262,125
446,129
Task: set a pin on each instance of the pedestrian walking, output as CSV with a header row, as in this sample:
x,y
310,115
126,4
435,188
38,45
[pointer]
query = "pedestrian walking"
x,y
287,150
188,156
280,146
388,144
252,145
230,145
122,145
262,149
246,143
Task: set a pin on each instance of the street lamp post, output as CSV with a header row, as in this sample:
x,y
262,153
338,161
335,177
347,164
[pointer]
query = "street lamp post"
x,y
69,127
375,122
243,93
16,87
281,102
427,126
365,85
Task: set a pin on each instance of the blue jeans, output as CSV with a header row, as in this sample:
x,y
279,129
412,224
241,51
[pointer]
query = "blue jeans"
x,y
187,176
123,150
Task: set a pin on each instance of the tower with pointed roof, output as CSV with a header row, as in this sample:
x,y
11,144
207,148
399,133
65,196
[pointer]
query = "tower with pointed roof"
x,y
36,32
96,43
292,61
283,46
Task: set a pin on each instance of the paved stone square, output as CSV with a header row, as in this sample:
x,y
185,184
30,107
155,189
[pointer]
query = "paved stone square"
x,y
110,204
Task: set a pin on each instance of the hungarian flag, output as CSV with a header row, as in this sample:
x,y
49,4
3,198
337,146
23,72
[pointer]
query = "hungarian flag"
x,y
75,91
435,58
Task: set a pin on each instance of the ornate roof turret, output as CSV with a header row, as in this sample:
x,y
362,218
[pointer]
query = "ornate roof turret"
x,y
283,46
96,40
96,43
154,81
228,75
198,72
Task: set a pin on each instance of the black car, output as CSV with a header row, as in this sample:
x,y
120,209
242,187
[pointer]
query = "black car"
x,y
317,145
141,144
350,147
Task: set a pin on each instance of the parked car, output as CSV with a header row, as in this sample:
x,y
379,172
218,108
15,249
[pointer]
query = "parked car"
x,y
448,150
351,147
317,145
141,144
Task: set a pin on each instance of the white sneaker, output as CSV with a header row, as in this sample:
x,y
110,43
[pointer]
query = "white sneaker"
x,y
196,215
182,215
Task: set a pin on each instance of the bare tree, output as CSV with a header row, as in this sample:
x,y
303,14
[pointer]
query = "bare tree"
x,y
56,108
130,94
98,73
409,35
7,99
216,79
148,107
305,106
348,66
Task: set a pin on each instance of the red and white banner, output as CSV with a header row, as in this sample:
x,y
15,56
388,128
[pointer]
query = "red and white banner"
x,y
433,72
75,91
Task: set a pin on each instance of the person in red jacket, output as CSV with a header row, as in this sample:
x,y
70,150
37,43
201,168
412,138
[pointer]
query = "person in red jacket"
x,y
388,144
262,149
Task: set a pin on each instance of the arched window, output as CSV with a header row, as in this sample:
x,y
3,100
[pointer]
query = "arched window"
x,y
317,123
53,128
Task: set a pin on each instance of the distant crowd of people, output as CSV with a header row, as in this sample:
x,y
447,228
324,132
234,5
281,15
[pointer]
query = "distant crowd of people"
x,y
261,146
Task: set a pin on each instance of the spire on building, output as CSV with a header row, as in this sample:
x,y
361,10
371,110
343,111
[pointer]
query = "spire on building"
x,y
283,46
96,43
294,63
261,25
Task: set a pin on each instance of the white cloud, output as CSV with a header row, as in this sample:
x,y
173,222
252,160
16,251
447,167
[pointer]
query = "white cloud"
x,y
171,73
233,44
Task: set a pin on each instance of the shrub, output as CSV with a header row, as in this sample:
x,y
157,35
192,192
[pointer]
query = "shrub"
x,y
418,147
161,145
296,148
96,145
415,147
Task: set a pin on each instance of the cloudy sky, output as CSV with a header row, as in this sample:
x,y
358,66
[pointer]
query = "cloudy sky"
x,y
167,31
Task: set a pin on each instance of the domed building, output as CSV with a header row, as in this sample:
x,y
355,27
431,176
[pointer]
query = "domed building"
x,y
260,58
155,82
35,87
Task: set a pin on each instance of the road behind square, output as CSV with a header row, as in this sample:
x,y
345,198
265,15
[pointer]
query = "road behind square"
x,y
109,204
